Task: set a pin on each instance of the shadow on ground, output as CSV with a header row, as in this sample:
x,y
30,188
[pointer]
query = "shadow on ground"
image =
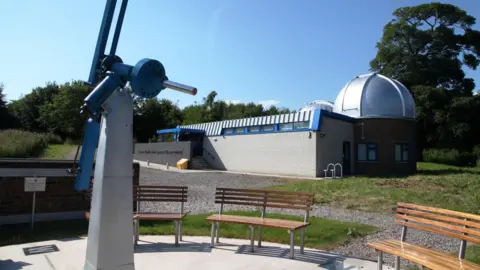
x,y
151,247
323,259
12,265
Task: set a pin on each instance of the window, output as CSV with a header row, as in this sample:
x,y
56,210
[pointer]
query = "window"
x,y
253,129
240,130
288,126
401,152
267,128
301,125
227,130
367,152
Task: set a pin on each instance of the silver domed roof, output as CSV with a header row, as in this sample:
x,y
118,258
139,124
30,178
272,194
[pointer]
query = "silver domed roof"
x,y
375,95
318,104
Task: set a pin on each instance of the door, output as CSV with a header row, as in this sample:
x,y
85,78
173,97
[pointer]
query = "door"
x,y
346,158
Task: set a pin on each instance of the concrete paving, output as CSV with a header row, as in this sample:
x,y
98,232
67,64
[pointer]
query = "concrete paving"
x,y
158,252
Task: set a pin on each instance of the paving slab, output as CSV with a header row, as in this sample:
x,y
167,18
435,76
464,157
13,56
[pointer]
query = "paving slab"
x,y
159,252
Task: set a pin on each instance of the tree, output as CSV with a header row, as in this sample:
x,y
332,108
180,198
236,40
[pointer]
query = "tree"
x,y
27,108
151,115
6,119
62,114
425,47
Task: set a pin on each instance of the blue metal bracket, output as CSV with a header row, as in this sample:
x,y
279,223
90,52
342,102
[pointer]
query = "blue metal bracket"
x,y
89,146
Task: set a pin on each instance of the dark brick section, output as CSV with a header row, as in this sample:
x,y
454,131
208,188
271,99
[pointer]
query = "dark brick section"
x,y
385,133
59,196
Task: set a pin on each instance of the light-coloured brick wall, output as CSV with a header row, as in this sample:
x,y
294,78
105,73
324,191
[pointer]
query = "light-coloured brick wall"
x,y
284,153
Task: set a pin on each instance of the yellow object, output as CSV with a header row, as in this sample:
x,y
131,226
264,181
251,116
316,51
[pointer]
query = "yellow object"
x,y
182,164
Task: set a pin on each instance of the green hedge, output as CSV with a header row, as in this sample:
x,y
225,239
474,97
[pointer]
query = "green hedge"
x,y
453,157
23,144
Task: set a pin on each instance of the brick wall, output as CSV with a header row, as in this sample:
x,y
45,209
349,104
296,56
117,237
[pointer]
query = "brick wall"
x,y
59,195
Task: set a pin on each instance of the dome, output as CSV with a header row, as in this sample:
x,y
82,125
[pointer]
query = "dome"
x,y
318,104
374,95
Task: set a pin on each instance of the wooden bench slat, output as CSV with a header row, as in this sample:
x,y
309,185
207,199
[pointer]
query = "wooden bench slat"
x,y
439,210
152,216
267,205
424,256
438,224
153,195
265,194
160,187
439,217
261,200
263,190
257,221
160,200
439,231
159,216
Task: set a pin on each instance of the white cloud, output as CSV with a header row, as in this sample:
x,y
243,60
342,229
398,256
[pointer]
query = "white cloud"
x,y
268,103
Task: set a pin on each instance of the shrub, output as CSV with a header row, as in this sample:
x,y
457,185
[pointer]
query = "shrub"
x,y
449,157
23,144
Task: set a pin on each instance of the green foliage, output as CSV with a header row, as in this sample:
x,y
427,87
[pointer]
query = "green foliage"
x,y
449,157
435,185
23,144
62,114
425,47
57,151
321,234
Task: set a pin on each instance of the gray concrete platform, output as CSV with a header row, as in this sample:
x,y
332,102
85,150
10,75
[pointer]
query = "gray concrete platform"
x,y
158,252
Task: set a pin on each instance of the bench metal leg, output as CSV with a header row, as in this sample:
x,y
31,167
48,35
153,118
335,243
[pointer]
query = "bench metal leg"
x,y
217,232
181,230
259,236
302,238
252,238
397,263
292,244
137,231
380,260
212,242
176,232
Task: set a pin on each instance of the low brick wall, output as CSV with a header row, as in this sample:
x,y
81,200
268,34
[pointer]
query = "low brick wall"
x,y
59,196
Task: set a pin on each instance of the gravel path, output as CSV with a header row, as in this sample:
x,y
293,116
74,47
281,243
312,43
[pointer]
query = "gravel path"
x,y
200,200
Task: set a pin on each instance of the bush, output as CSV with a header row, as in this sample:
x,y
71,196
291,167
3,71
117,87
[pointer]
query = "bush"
x,y
449,157
23,144
476,153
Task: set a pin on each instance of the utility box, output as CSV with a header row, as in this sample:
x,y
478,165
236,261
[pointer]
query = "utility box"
x,y
182,164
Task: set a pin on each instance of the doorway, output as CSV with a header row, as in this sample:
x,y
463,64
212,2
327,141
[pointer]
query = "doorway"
x,y
346,157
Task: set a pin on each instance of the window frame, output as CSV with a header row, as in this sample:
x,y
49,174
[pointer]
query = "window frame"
x,y
403,146
369,147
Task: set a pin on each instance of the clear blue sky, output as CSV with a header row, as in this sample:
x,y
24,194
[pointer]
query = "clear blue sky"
x,y
283,52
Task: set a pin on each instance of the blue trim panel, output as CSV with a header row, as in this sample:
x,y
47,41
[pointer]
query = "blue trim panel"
x,y
338,116
316,119
180,130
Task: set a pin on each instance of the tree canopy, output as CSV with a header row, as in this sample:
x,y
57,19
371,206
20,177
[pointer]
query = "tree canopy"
x,y
427,47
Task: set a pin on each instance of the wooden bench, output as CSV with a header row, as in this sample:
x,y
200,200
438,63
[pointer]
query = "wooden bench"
x,y
158,194
462,226
263,199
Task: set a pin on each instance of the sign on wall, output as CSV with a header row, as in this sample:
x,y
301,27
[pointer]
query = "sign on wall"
x,y
34,184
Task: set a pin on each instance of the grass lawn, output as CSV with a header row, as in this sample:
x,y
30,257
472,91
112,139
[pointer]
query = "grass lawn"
x,y
57,151
322,233
435,185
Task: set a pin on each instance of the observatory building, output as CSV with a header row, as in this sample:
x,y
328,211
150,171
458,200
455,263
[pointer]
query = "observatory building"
x,y
368,130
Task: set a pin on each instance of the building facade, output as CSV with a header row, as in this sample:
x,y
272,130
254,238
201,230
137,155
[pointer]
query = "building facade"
x,y
368,130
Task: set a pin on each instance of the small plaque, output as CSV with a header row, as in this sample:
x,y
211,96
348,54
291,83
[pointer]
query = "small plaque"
x,y
40,250
33,184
